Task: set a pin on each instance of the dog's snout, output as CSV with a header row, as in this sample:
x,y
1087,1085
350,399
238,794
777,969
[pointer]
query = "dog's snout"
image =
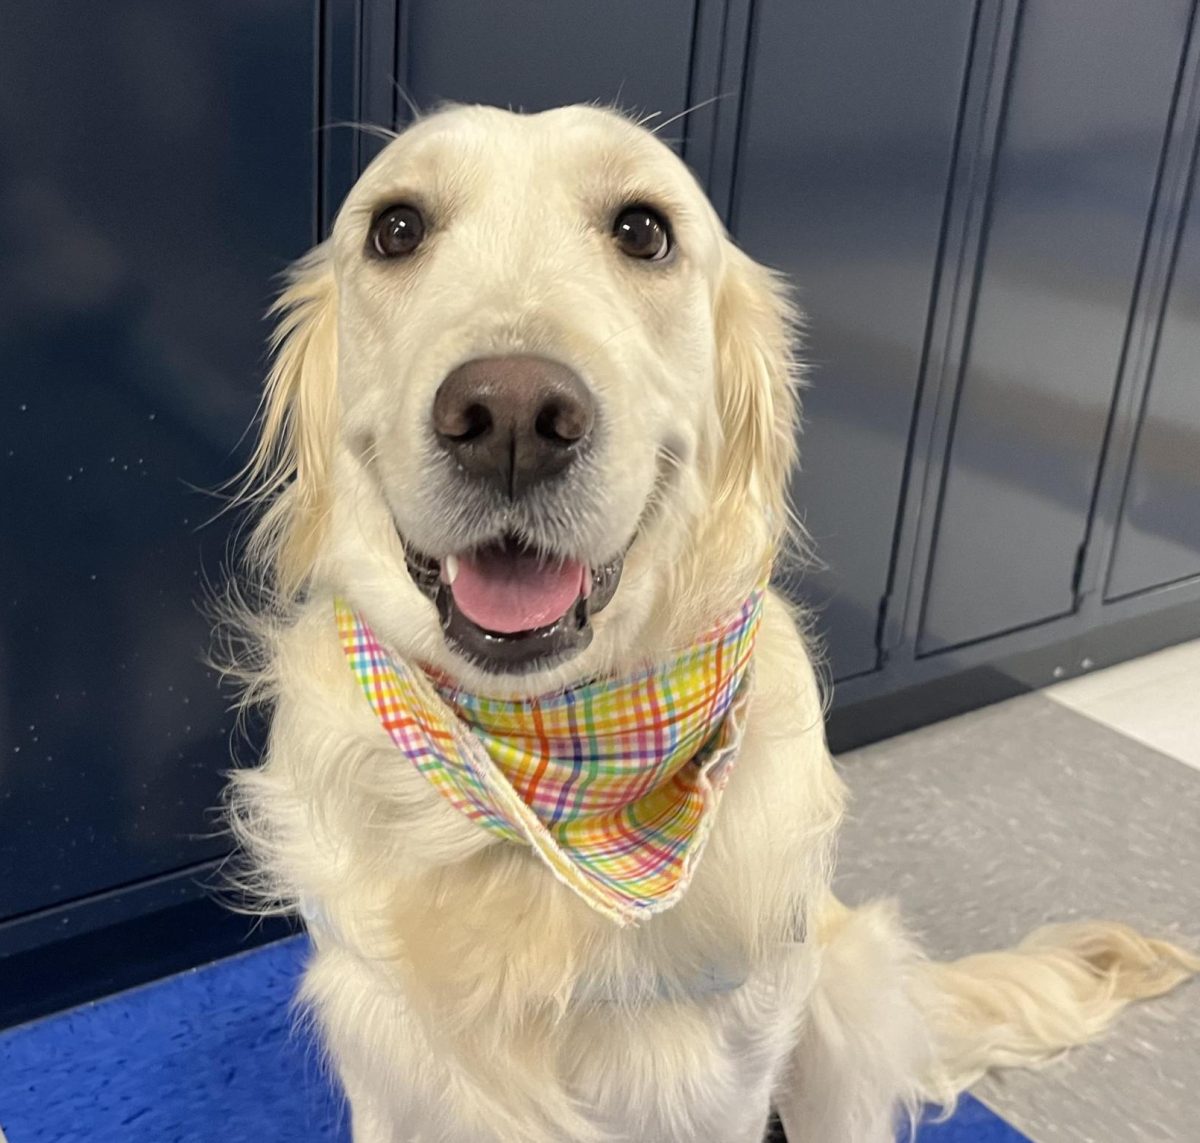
x,y
513,421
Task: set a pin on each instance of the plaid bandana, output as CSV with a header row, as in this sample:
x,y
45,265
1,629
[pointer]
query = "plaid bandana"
x,y
613,783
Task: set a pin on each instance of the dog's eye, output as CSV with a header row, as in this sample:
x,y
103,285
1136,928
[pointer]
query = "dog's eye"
x,y
397,231
642,233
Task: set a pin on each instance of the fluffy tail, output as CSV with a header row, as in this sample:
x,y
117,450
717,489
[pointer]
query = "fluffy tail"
x,y
1063,985
887,1030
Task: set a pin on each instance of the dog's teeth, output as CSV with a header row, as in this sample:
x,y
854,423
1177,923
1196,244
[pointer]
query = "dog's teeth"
x,y
450,569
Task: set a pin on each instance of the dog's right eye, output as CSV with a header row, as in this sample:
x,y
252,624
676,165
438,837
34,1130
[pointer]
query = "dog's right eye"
x,y
642,233
397,231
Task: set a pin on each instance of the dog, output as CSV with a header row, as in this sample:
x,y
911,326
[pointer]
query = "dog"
x,y
524,448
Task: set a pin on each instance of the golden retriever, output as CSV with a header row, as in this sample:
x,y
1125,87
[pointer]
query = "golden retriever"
x,y
532,415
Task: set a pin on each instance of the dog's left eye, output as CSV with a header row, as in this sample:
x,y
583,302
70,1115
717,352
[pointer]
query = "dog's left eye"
x,y
642,233
397,231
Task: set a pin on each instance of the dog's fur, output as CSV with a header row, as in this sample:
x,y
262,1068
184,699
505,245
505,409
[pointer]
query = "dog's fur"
x,y
463,994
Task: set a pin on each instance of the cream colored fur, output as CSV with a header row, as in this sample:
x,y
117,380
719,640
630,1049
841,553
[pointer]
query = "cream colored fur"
x,y
463,994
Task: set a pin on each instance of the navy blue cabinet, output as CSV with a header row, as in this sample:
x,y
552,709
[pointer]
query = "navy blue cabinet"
x,y
987,208
1073,182
848,132
156,174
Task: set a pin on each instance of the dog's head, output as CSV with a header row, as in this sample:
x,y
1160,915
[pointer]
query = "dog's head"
x,y
531,409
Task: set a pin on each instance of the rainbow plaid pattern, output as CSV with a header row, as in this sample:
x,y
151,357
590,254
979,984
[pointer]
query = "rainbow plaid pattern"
x,y
613,783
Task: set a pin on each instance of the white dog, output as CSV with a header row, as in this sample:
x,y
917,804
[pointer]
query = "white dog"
x,y
523,462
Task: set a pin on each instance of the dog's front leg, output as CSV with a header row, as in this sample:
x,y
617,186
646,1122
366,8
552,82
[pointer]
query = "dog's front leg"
x,y
368,1126
855,1072
370,1045
370,1120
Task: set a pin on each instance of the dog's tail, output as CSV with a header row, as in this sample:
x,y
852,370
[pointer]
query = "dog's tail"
x,y
888,1029
1063,985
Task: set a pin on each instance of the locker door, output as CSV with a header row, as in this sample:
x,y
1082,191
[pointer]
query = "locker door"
x,y
847,143
1158,536
1074,178
156,173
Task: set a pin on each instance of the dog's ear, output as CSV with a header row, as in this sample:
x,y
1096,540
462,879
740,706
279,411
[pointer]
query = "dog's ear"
x,y
289,470
755,325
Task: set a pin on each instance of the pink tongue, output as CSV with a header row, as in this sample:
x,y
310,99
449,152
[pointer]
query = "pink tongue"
x,y
506,591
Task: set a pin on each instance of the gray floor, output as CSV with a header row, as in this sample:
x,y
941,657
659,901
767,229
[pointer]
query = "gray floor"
x,y
988,825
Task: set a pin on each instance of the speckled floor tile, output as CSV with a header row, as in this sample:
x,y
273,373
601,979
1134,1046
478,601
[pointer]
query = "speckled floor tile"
x,y
990,824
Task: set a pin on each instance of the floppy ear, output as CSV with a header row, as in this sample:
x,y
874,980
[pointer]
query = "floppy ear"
x,y
755,325
290,467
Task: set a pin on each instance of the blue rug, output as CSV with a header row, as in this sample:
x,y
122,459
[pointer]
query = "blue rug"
x,y
213,1056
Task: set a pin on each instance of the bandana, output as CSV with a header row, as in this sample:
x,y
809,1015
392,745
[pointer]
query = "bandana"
x,y
613,783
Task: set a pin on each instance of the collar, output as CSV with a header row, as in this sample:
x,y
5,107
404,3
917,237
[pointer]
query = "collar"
x,y
614,783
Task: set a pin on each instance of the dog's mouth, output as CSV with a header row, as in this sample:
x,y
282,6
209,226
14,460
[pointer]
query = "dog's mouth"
x,y
508,608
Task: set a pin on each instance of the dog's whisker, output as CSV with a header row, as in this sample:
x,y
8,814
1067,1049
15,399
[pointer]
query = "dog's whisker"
x,y
374,129
411,103
591,355
690,111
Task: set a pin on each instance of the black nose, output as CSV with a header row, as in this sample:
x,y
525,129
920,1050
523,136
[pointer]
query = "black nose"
x,y
513,421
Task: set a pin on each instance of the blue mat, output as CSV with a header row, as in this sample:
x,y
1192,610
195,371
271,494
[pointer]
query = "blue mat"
x,y
213,1056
